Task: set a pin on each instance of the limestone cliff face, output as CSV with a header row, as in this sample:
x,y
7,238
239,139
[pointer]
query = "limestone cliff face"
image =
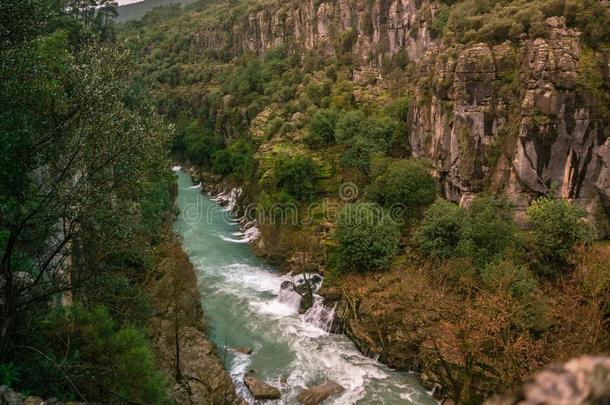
x,y
372,30
510,118
513,118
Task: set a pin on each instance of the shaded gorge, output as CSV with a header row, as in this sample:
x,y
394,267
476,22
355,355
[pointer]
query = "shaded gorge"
x,y
245,306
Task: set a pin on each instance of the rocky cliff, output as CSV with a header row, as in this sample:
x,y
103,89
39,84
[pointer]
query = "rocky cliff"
x,y
371,29
520,117
515,118
198,376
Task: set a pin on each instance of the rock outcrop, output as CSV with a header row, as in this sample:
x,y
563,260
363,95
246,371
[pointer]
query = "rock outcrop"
x,y
177,311
260,389
581,381
516,119
10,397
372,30
319,393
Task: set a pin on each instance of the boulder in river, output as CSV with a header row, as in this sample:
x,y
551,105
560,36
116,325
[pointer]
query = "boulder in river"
x,y
317,394
243,349
260,389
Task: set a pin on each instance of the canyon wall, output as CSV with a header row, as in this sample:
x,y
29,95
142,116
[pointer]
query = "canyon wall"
x,y
515,118
512,118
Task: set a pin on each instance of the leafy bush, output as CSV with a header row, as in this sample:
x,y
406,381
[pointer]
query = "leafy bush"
x,y
322,128
497,21
441,229
296,176
221,162
489,231
360,153
530,307
350,125
355,124
237,159
506,276
367,237
91,348
557,228
483,232
405,182
440,21
198,142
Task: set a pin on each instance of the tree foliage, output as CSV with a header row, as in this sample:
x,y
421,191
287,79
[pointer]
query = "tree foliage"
x,y
82,161
367,237
441,230
296,176
403,182
558,228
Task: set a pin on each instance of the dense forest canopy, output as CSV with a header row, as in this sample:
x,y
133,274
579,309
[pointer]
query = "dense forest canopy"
x,y
85,190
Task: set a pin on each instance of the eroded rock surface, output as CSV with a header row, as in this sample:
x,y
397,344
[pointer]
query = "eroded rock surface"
x,y
513,117
260,389
319,393
581,381
176,298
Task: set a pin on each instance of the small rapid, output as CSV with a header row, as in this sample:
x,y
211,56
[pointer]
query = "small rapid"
x,y
246,306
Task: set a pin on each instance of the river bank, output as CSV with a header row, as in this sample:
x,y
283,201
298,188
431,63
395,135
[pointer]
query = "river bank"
x,y
458,339
357,309
246,307
188,359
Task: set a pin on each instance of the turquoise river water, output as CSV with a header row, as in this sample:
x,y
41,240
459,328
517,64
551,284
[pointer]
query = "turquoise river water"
x,y
243,307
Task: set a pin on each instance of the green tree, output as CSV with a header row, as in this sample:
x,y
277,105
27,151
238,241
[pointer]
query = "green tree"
x,y
442,229
72,179
489,230
558,227
404,182
296,176
85,352
322,128
367,237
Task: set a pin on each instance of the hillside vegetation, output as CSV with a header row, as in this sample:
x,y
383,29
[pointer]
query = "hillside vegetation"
x,y
473,295
85,197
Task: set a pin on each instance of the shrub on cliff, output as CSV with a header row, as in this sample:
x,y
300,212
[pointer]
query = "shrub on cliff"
x,y
296,176
360,153
356,124
198,142
490,230
367,237
483,232
405,183
322,128
441,230
558,227
236,159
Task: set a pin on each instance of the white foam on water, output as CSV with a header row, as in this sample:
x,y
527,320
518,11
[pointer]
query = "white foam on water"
x,y
319,315
196,187
177,168
259,314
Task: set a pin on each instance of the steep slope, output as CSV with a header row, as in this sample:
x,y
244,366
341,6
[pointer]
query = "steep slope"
x,y
524,117
314,106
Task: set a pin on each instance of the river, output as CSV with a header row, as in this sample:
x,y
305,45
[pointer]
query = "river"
x,y
240,297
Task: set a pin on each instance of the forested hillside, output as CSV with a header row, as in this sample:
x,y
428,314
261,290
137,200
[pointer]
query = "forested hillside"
x,y
85,195
472,136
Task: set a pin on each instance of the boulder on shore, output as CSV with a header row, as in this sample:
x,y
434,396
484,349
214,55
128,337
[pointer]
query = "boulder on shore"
x,y
317,394
260,389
